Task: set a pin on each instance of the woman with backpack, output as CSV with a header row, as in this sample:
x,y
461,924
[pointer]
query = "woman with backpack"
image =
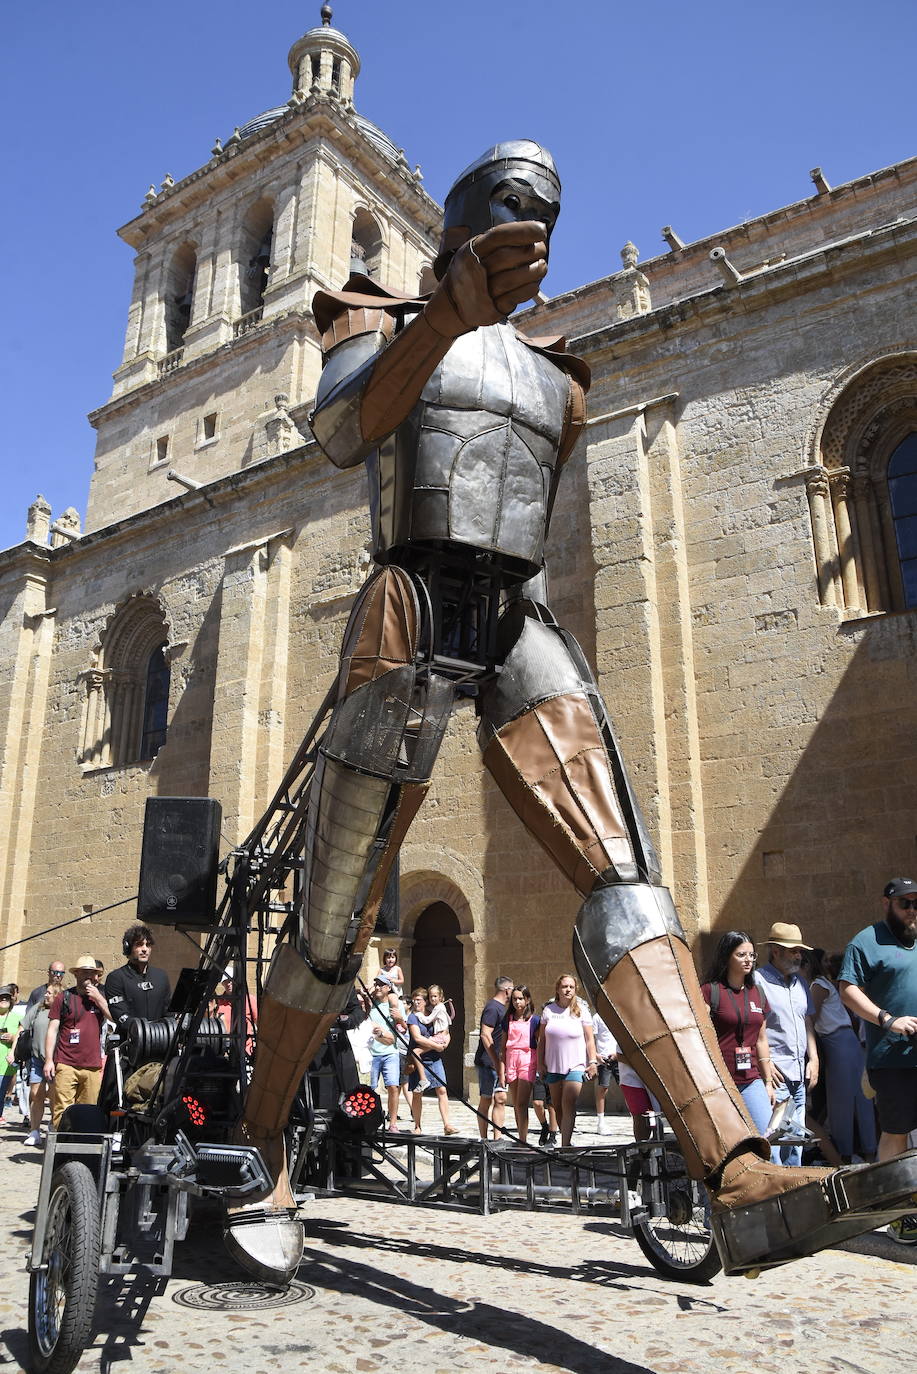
x,y
32,1035
518,1054
738,1008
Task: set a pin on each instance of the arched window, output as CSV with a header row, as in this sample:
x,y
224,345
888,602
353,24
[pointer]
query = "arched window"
x,y
862,490
366,245
902,491
125,717
179,296
255,251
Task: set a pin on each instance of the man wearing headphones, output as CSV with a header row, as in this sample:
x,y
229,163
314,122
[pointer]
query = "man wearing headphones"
x,y
137,989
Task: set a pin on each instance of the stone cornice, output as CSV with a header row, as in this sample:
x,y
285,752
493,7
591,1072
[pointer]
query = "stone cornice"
x,y
756,290
239,485
27,558
314,117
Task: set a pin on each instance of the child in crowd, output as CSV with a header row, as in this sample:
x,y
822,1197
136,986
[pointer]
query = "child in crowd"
x,y
436,1021
391,966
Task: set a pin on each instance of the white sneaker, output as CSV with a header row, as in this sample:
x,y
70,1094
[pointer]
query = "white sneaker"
x,y
602,1127
33,1138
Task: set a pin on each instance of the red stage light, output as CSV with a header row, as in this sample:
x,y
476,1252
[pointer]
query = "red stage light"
x,y
196,1110
362,1105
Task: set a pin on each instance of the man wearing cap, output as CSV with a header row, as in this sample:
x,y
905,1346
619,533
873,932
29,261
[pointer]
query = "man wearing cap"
x,y
385,1045
790,1026
73,1048
878,982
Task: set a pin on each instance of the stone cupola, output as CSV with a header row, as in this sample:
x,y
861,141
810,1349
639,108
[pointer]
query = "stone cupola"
x,y
325,61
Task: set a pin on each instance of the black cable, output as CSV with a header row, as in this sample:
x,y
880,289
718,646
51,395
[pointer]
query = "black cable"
x,y
87,915
552,1155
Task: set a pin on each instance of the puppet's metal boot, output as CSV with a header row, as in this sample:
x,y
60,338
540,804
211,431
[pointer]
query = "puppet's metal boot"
x,y
263,1233
631,955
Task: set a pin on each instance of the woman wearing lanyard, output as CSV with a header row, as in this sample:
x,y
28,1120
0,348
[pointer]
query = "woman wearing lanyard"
x,y
738,1008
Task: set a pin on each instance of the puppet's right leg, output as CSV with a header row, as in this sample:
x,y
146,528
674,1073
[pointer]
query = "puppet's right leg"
x,y
373,769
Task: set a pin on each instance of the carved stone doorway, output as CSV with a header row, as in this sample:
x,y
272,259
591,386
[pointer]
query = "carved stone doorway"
x,y
438,957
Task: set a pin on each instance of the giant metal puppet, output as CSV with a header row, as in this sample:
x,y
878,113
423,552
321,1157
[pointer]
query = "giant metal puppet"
x,y
464,425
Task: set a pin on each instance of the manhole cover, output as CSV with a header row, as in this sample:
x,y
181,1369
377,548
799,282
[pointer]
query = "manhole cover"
x,y
240,1297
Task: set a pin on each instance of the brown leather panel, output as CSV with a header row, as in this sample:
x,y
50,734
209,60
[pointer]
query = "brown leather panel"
x,y
409,802
748,1179
541,823
651,1002
358,291
574,420
357,320
556,776
401,372
288,1041
382,631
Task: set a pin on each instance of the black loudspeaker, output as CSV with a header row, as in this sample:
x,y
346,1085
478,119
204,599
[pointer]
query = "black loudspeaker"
x,y
178,862
388,919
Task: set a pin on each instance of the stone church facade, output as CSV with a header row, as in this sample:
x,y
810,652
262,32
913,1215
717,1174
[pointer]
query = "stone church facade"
x,y
735,546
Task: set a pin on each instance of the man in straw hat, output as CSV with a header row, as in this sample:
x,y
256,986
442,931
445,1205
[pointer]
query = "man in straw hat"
x,y
790,1026
73,1048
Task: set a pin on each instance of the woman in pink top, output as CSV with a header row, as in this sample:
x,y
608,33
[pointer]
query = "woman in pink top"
x,y
566,1052
517,1054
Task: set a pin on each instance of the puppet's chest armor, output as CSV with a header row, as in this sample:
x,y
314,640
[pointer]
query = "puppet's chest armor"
x,y
474,462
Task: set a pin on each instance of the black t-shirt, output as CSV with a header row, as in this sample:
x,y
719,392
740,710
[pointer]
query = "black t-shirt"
x,y
131,993
492,1016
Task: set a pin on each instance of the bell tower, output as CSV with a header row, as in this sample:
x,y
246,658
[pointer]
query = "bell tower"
x,y
220,338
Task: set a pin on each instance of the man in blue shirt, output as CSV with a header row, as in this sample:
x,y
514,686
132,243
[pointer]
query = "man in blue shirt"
x,y
878,982
790,1027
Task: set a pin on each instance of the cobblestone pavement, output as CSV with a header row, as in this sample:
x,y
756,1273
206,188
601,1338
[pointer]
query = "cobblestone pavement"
x,y
390,1287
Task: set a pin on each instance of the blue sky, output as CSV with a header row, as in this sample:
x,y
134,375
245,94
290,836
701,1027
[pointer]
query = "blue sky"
x,y
697,115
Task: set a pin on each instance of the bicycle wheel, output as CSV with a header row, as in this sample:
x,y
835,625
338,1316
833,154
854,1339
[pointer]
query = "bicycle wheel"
x,y
62,1294
680,1244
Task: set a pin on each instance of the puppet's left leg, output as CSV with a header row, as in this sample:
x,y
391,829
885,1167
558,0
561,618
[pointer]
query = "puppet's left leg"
x,y
548,742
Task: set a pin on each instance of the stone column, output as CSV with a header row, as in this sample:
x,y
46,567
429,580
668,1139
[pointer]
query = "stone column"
x,y
819,495
94,682
683,849
476,994
212,324
236,696
840,488
873,566
888,542
27,655
272,697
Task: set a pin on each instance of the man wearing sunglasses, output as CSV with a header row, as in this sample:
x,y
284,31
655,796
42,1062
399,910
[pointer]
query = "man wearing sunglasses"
x,y
56,971
878,982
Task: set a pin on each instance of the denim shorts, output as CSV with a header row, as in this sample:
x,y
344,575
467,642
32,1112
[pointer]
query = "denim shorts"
x,y
36,1070
389,1066
571,1076
487,1079
434,1073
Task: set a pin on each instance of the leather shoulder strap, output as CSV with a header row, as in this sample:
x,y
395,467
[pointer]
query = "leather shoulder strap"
x,y
361,307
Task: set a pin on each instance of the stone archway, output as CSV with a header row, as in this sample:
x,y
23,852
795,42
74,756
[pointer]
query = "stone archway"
x,y
438,957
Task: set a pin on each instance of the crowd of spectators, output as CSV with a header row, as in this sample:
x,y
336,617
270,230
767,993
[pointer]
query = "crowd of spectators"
x,y
821,1046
